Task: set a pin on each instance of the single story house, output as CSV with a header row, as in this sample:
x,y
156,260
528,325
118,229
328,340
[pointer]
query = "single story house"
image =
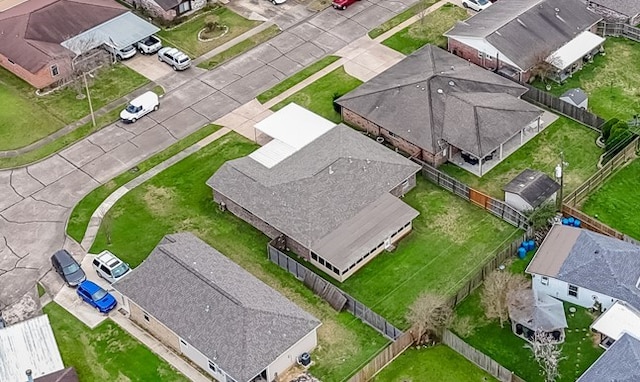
x,y
619,363
329,191
512,37
576,97
625,11
213,312
168,9
529,190
42,40
30,345
438,107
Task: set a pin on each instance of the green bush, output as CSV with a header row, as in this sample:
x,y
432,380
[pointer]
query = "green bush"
x,y
618,133
606,128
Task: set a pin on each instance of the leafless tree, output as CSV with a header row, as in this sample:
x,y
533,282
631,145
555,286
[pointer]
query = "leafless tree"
x,y
546,63
497,285
421,9
548,355
429,315
88,58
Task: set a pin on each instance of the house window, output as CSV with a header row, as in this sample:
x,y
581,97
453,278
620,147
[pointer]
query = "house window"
x,y
146,316
184,7
479,54
54,70
314,256
544,280
392,134
213,367
321,260
573,290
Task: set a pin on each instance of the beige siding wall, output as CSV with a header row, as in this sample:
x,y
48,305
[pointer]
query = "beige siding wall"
x,y
154,327
289,357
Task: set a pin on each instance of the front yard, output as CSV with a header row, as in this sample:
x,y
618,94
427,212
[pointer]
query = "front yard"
x,y
106,353
542,153
185,36
178,199
580,348
616,202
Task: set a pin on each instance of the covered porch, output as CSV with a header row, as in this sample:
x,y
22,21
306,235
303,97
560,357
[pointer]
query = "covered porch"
x,y
572,56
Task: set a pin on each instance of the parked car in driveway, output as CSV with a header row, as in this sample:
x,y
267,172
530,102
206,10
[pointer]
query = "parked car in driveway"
x,y
109,267
175,58
476,5
94,295
121,53
140,106
149,45
342,4
68,268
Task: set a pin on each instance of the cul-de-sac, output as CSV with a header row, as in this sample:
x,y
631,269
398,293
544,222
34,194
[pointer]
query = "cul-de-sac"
x,y
319,190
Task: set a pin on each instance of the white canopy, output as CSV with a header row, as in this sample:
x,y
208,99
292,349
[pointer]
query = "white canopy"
x,y
574,50
619,319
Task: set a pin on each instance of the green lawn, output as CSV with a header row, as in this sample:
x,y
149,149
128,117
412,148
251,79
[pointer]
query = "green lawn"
x,y
106,353
439,363
178,199
318,96
79,219
240,47
185,36
510,351
541,153
296,78
611,81
450,240
429,30
616,202
26,117
401,17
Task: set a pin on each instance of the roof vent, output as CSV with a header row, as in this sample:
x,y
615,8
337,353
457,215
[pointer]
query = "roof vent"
x,y
596,251
440,91
452,67
350,160
330,170
557,10
451,83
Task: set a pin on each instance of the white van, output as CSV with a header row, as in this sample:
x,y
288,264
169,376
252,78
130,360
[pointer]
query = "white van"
x,y
122,53
140,106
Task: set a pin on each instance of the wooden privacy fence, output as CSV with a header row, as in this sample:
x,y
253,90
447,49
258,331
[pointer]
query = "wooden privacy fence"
x,y
483,361
335,296
489,203
554,103
383,358
618,29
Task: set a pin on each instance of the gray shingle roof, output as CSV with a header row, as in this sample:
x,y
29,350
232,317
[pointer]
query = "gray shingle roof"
x,y
626,7
410,100
534,187
620,363
311,193
523,29
216,306
576,95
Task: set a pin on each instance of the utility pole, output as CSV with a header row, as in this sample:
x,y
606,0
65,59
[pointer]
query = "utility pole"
x,y
86,86
560,177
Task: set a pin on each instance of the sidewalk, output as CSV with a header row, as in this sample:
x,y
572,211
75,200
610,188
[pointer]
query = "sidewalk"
x,y
232,42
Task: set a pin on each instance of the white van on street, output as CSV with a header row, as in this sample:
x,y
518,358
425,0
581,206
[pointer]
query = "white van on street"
x,y
140,106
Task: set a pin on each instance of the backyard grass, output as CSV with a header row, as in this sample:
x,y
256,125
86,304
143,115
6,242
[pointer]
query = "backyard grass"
x,y
79,219
616,202
106,353
401,17
178,199
296,79
542,153
429,30
240,47
318,96
612,82
185,36
26,117
580,349
439,363
450,240
62,142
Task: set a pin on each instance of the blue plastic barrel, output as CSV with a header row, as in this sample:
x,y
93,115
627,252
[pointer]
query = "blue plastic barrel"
x,y
570,220
532,245
576,223
522,253
565,221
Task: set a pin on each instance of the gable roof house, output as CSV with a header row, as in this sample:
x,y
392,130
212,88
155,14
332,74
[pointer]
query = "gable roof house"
x,y
618,364
212,311
329,191
41,39
514,36
168,9
625,11
437,107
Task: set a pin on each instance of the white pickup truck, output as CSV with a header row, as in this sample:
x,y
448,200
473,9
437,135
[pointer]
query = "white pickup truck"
x,y
149,45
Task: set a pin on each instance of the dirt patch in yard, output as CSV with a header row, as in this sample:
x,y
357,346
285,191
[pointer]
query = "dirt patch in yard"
x,y
450,224
159,199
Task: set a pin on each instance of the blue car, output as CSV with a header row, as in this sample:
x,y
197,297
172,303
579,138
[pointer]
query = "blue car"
x,y
95,296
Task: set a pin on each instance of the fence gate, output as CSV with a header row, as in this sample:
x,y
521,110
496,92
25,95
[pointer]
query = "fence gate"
x,y
478,198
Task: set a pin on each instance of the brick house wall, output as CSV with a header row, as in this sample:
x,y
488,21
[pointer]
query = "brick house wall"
x,y
473,55
154,9
401,189
43,77
153,326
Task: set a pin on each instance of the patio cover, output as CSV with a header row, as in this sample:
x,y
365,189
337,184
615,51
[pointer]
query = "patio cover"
x,y
121,31
574,50
619,319
536,312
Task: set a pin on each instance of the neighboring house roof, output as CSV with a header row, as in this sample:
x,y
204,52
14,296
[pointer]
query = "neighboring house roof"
x,y
620,318
65,375
433,95
536,312
590,260
230,316
534,187
332,188
618,364
628,8
576,95
168,4
523,30
27,345
32,31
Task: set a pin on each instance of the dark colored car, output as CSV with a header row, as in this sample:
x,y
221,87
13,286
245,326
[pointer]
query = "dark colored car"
x,y
68,268
94,295
342,4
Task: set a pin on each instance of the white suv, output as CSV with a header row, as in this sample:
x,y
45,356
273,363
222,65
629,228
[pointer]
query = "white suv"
x,y
109,267
476,5
175,58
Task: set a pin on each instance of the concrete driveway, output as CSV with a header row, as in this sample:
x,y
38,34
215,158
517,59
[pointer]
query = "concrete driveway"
x,y
148,66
